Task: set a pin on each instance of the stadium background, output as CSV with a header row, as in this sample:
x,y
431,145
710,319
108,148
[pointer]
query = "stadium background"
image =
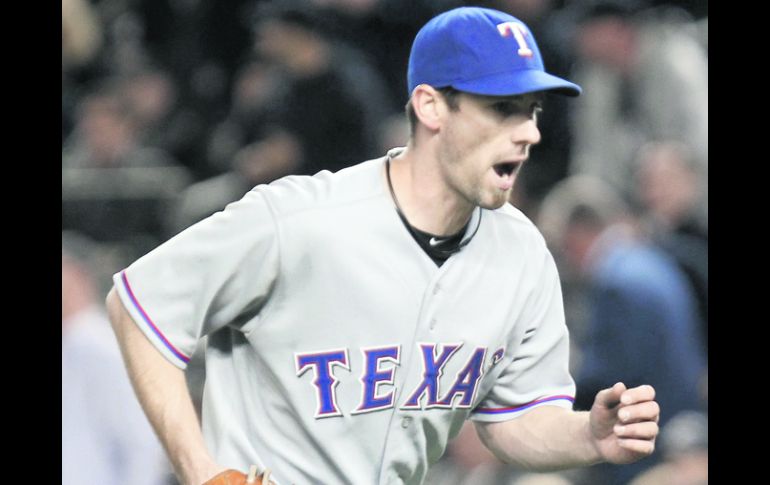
x,y
173,108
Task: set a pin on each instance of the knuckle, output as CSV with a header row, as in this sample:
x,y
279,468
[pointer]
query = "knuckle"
x,y
650,447
651,430
645,430
655,407
625,415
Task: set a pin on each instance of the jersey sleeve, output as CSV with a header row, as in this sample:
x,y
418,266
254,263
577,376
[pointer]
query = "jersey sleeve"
x,y
537,371
217,272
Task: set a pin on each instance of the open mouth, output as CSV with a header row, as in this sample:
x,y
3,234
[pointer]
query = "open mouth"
x,y
507,168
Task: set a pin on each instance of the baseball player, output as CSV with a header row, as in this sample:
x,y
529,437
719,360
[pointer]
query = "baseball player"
x,y
356,319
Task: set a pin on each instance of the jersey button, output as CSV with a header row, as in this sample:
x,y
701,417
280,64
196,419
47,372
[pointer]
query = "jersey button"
x,y
436,289
405,422
432,324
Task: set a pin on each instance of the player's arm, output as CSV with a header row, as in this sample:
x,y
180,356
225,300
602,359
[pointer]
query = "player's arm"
x,y
165,398
620,428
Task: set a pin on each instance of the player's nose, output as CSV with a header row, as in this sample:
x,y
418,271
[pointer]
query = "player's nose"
x,y
527,133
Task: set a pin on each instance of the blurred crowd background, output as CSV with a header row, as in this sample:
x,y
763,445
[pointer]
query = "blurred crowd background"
x,y
171,109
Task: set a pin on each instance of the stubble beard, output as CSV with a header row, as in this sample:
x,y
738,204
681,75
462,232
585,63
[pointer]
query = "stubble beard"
x,y
469,188
450,161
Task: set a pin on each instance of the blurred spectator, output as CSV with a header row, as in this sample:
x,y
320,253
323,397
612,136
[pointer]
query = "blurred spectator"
x,y
162,121
106,134
82,39
393,132
384,30
253,86
106,438
247,148
668,190
332,102
81,34
113,186
302,103
698,9
684,444
260,162
642,326
668,186
644,77
200,42
150,95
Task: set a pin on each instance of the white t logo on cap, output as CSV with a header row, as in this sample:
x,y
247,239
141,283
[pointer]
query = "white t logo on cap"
x,y
519,31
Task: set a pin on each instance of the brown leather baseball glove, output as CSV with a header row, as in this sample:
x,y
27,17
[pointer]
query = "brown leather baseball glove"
x,y
234,477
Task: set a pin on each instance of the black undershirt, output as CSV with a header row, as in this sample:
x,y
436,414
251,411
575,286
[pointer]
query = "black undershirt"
x,y
445,247
442,247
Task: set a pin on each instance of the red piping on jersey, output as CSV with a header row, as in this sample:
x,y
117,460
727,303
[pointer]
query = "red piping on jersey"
x,y
147,319
524,406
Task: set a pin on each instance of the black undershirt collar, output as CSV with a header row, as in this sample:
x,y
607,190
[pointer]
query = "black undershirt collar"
x,y
439,249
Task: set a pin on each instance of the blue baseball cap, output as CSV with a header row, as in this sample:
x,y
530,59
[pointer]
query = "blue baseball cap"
x,y
481,51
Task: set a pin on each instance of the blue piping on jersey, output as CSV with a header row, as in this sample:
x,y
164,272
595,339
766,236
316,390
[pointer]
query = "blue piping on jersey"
x,y
152,326
524,406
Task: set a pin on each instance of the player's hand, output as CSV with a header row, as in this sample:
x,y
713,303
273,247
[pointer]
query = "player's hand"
x,y
227,477
204,474
624,423
235,477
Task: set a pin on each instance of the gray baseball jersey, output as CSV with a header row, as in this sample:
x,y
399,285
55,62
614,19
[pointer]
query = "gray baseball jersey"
x,y
338,351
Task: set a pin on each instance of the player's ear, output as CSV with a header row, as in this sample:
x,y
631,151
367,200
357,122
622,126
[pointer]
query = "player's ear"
x,y
428,106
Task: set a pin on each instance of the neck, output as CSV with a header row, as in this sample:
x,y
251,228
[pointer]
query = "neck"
x,y
426,200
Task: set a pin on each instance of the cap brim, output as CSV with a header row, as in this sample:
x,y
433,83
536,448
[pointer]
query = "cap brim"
x,y
518,82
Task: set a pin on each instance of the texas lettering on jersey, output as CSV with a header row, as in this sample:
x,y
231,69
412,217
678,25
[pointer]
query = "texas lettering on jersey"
x,y
379,367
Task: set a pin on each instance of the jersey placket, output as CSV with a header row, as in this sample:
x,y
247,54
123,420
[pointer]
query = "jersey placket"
x,y
403,427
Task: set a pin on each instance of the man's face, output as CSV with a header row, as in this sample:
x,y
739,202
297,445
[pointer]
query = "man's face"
x,y
485,142
665,184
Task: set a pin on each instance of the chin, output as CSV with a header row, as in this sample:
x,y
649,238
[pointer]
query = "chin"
x,y
493,203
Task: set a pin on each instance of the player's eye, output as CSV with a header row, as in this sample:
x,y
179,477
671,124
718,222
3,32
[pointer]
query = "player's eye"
x,y
508,108
514,108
